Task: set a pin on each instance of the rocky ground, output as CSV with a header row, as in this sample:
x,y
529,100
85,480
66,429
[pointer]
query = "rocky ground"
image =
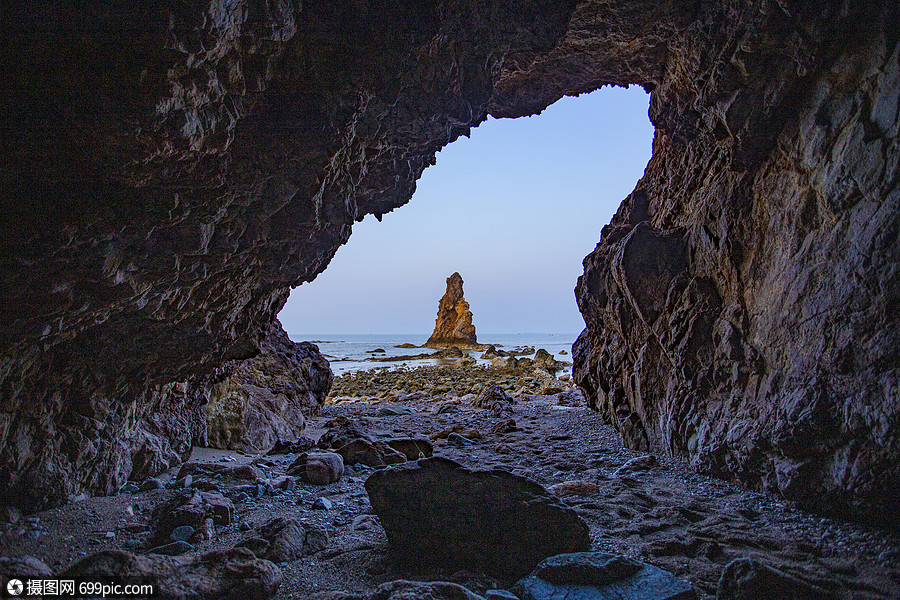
x,y
651,508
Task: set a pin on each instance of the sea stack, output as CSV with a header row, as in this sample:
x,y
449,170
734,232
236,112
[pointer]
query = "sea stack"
x,y
453,326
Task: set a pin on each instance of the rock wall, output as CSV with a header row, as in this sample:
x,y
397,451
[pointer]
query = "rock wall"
x,y
267,398
741,307
170,170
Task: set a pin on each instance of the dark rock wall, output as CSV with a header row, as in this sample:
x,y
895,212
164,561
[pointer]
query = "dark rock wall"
x,y
169,170
267,398
741,307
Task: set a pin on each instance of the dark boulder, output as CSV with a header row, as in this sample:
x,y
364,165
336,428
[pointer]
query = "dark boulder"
x,y
437,512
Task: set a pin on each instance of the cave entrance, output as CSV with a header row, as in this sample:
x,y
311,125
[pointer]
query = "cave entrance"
x,y
514,208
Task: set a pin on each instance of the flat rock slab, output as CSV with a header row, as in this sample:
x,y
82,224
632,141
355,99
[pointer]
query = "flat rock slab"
x,y
600,576
438,513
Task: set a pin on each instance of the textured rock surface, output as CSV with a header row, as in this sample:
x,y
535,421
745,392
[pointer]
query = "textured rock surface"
x,y
233,575
599,576
740,306
164,186
265,399
453,326
436,512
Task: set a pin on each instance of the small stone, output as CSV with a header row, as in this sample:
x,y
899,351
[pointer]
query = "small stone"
x,y
151,484
132,544
639,463
574,488
184,482
459,441
173,549
244,526
364,522
182,533
322,504
130,488
395,410
110,535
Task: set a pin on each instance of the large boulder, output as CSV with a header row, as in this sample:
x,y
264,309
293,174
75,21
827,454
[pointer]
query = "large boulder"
x,y
437,512
267,398
233,575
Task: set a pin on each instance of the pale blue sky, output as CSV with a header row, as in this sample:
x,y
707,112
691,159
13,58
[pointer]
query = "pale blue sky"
x,y
514,208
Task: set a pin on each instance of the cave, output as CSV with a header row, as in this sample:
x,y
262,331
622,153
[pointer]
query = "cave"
x,y
170,170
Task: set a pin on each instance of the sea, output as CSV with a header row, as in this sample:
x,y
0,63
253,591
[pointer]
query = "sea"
x,y
348,352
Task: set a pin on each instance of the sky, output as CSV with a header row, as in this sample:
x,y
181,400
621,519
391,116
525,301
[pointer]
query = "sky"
x,y
514,209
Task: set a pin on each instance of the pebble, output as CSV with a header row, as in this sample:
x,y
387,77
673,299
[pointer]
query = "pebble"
x,y
244,526
322,504
459,441
130,488
132,545
182,533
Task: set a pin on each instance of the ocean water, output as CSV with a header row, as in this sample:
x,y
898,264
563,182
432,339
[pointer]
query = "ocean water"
x,y
348,352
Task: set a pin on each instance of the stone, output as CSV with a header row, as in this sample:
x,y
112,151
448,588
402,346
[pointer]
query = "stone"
x,y
494,398
500,595
152,483
340,431
412,448
454,439
372,454
190,508
600,576
574,488
749,579
414,590
233,574
544,360
323,468
394,410
322,504
636,464
503,427
10,514
301,444
445,515
267,399
130,488
21,567
460,429
364,523
453,326
286,540
182,533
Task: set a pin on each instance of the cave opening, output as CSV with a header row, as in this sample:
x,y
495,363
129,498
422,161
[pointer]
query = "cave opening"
x,y
514,208
166,185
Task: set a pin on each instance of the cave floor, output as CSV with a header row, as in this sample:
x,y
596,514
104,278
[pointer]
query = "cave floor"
x,y
664,514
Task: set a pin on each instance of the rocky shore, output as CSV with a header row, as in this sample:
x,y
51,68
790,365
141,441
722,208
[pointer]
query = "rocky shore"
x,y
322,516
